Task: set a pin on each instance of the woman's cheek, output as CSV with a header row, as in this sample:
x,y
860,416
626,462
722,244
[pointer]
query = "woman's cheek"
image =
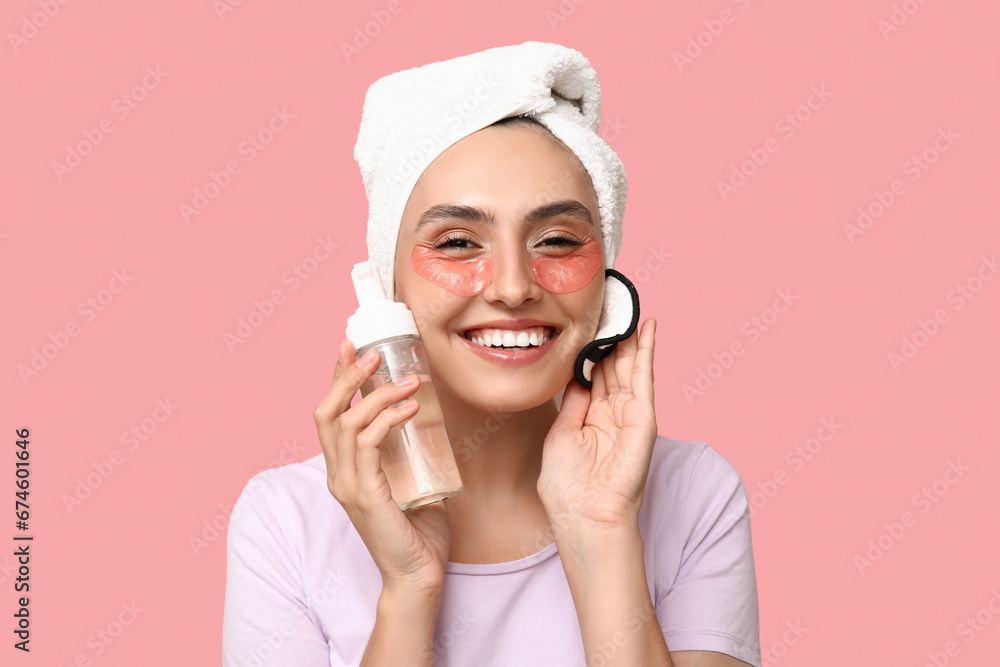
x,y
571,272
465,277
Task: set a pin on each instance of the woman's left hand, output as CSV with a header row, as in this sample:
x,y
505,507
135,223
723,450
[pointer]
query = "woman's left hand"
x,y
596,456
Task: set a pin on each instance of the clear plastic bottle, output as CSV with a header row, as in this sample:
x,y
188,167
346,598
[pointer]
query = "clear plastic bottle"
x,y
417,457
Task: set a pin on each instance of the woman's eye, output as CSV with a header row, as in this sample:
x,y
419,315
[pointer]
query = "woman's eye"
x,y
458,242
558,241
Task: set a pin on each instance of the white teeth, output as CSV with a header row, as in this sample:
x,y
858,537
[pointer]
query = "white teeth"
x,y
510,339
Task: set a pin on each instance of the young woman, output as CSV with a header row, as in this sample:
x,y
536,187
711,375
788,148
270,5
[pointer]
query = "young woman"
x,y
580,537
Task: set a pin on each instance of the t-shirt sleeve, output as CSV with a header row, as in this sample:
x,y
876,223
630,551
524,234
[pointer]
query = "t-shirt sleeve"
x,y
712,605
266,620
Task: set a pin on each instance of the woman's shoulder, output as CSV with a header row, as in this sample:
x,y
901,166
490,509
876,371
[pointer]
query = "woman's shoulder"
x,y
286,495
686,462
699,551
691,479
291,482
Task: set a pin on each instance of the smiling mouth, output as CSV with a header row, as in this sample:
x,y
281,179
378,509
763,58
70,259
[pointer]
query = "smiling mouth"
x,y
511,339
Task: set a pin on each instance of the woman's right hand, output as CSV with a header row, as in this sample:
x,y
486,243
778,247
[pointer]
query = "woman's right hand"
x,y
410,548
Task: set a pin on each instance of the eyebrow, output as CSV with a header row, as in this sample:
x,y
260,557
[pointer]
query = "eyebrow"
x,y
566,207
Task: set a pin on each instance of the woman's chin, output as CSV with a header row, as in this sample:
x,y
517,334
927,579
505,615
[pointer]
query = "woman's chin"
x,y
502,394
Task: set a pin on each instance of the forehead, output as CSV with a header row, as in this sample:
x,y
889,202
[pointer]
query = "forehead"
x,y
513,169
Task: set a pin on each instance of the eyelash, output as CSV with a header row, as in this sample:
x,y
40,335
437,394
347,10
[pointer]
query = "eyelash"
x,y
451,240
448,241
563,240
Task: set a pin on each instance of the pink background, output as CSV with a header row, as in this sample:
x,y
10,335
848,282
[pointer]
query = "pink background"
x,y
678,129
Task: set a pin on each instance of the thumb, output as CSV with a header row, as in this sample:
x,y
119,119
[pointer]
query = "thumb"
x,y
573,411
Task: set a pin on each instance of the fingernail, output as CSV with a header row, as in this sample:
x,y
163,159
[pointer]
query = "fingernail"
x,y
407,381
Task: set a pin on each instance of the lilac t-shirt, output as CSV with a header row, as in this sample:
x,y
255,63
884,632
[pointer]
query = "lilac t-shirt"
x,y
301,587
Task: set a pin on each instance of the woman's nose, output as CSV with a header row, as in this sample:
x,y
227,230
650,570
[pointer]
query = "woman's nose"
x,y
513,279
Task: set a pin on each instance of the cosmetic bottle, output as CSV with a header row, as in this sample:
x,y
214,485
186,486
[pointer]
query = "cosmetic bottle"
x,y
417,457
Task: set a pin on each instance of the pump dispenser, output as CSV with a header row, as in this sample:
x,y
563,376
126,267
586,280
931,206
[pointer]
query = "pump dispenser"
x,y
416,455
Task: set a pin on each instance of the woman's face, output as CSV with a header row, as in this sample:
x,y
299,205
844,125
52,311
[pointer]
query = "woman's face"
x,y
492,256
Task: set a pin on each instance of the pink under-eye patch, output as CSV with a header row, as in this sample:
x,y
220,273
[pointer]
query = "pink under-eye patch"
x,y
570,272
469,277
463,277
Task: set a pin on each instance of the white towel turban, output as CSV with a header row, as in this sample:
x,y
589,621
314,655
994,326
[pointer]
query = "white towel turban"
x,y
411,117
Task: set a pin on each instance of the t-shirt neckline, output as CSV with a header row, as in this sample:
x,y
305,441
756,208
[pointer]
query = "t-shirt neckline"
x,y
503,568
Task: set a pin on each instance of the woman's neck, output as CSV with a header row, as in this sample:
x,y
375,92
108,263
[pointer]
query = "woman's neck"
x,y
499,454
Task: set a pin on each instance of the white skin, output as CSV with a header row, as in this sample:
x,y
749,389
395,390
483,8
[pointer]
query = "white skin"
x,y
574,475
